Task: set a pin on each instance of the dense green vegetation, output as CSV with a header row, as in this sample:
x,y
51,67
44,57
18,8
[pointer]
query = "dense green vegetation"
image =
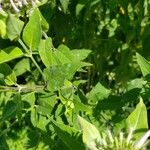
x,y
74,74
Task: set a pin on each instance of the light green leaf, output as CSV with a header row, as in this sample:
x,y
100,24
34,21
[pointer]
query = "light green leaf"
x,y
81,54
144,64
138,119
9,77
90,133
22,66
14,27
64,4
10,53
46,53
32,32
2,29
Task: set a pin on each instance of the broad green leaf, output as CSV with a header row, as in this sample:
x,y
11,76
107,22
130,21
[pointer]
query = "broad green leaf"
x,y
14,27
46,53
82,107
138,119
66,52
57,75
90,133
9,77
22,66
67,135
2,29
144,64
99,92
32,32
9,54
64,4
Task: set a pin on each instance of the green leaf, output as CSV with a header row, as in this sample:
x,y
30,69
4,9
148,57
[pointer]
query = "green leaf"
x,y
34,117
29,97
32,32
67,135
64,4
22,66
79,8
90,133
9,77
3,143
144,64
46,53
81,54
14,27
99,92
9,54
9,110
138,119
57,75
2,29
44,24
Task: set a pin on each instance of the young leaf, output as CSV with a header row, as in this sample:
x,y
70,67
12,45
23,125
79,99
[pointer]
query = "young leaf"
x,y
14,27
138,119
144,64
90,133
32,32
9,54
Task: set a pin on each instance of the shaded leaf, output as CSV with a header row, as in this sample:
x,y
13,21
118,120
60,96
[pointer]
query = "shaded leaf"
x,y
67,135
22,66
9,77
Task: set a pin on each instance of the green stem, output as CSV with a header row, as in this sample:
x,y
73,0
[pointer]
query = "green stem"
x,y
39,69
29,54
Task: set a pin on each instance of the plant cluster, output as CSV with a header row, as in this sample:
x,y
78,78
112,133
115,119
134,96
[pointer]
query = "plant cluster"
x,y
74,74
